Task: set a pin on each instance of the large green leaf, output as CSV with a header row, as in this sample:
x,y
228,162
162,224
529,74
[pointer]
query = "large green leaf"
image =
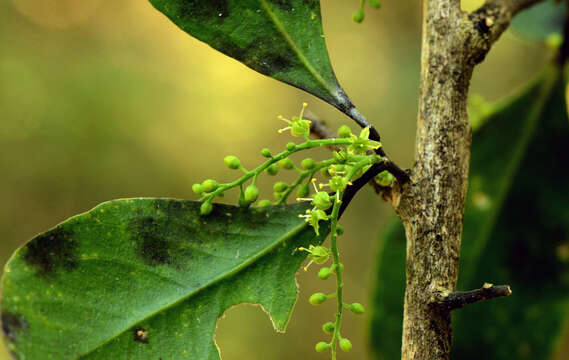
x,y
148,279
516,232
279,38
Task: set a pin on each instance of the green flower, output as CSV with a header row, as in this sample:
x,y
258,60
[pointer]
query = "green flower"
x,y
362,144
297,126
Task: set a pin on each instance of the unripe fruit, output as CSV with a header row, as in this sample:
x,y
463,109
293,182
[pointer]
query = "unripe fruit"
x,y
206,208
317,298
290,146
251,193
266,153
280,186
209,185
322,346
345,345
303,191
197,188
356,308
286,164
272,170
344,131
308,164
328,327
324,273
358,16
232,162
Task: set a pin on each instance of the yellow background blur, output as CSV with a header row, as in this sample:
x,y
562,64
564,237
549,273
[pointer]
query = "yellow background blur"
x,y
105,99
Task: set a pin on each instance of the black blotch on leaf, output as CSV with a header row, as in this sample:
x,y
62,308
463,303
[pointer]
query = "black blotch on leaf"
x,y
201,10
13,325
140,335
51,251
151,242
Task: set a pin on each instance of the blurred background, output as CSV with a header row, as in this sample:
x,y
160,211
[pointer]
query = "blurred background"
x,y
105,99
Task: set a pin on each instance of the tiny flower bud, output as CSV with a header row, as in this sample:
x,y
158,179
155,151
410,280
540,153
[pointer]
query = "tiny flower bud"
x,y
280,186
272,170
341,267
322,346
251,193
197,188
303,191
344,131
340,156
242,202
324,273
286,164
206,208
384,178
317,299
356,308
266,153
209,185
232,162
345,345
328,327
264,203
308,164
374,4
322,200
339,230
290,146
358,16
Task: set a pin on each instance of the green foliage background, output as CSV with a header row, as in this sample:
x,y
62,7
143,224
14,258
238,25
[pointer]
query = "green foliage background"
x,y
102,100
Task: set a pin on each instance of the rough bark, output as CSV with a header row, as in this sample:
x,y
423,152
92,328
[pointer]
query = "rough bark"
x,y
432,205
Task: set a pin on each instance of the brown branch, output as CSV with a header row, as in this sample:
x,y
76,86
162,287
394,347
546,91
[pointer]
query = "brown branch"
x,y
460,299
431,207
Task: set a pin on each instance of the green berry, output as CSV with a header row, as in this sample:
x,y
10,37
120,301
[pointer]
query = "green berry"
x,y
322,346
384,178
197,188
345,345
339,230
232,162
341,267
251,193
264,203
344,131
308,164
374,4
272,170
242,202
280,186
324,273
320,254
209,185
356,308
321,200
266,153
286,163
340,156
358,16
303,191
328,327
317,299
206,208
290,146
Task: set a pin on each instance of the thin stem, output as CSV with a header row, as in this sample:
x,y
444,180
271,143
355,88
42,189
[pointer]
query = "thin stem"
x,y
338,269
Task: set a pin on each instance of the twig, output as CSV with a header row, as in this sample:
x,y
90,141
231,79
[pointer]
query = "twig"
x,y
460,299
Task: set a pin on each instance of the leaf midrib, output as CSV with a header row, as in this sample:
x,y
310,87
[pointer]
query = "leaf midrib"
x,y
213,282
330,88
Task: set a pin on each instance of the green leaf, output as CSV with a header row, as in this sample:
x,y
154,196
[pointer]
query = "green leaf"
x,y
148,279
541,20
282,39
516,231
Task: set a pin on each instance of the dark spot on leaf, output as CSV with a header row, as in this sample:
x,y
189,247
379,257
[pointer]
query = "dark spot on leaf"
x,y
151,242
282,4
51,251
140,335
203,10
13,325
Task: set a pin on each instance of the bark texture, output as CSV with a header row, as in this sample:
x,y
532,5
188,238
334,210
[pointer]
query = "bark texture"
x,y
431,206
